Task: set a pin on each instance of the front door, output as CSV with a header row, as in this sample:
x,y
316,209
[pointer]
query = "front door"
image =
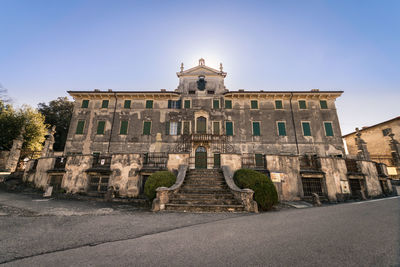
x,y
201,158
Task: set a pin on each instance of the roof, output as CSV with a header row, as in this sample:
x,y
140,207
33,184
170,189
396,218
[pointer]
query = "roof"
x,y
369,127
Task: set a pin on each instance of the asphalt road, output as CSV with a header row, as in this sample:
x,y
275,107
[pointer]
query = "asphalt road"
x,y
353,234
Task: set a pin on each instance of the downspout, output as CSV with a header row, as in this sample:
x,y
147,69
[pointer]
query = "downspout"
x,y
294,124
112,123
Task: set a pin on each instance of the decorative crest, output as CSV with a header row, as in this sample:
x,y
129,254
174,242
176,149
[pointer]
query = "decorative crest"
x,y
202,62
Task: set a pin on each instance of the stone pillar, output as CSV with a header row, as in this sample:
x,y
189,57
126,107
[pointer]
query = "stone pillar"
x,y
15,152
48,143
395,150
362,150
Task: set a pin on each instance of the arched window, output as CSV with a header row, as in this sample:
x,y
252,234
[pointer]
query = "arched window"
x,y
201,125
201,149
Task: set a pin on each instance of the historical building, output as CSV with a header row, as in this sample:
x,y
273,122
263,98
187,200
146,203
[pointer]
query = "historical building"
x,y
203,132
378,143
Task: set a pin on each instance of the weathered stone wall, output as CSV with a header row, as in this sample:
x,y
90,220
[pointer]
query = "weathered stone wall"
x,y
29,173
75,178
288,167
371,177
335,172
41,176
125,174
232,160
3,159
174,160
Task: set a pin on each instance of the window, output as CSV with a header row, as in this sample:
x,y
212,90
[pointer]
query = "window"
x,y
229,128
228,104
85,103
146,127
306,128
328,128
254,104
124,127
259,160
149,103
217,160
186,127
210,92
302,104
216,127
100,127
127,104
278,104
191,92
281,128
187,103
80,126
323,104
104,104
256,128
173,128
174,104
201,125
215,104
386,131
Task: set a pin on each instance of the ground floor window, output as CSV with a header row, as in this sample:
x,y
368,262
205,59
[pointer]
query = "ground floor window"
x,y
312,185
98,183
356,186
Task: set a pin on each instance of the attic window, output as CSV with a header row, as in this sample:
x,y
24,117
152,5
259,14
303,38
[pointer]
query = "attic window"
x,y
210,92
192,92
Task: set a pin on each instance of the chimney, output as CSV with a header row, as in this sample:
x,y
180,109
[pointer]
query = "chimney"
x,y
314,90
163,90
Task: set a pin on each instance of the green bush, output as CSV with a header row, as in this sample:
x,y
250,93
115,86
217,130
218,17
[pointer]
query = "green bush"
x,y
264,190
156,180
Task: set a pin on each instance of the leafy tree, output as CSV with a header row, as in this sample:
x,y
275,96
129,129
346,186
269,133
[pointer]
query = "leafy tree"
x,y
58,112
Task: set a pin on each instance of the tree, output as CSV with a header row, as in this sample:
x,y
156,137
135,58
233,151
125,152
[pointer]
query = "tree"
x,y
58,112
12,121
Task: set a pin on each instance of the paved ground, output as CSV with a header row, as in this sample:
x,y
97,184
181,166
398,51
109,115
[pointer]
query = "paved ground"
x,y
66,233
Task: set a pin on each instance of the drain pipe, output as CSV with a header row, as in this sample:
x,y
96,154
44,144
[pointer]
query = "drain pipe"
x,y
294,124
112,123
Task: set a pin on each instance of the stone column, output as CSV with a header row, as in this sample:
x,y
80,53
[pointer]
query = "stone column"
x,y
15,152
395,150
48,143
362,150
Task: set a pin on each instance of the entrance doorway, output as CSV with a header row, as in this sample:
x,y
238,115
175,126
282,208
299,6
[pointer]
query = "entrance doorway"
x,y
200,158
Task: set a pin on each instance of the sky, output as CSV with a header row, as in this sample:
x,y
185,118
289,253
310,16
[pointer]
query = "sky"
x,y
49,47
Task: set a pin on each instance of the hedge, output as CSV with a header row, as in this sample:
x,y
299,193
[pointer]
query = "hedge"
x,y
264,190
156,180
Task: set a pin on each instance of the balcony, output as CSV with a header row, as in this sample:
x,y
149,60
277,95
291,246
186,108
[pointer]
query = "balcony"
x,y
155,160
101,162
204,137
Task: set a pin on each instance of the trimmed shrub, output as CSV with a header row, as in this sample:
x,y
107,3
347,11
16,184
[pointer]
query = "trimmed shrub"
x,y
264,190
156,180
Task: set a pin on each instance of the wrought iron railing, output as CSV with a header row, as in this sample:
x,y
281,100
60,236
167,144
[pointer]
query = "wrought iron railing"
x,y
102,162
155,160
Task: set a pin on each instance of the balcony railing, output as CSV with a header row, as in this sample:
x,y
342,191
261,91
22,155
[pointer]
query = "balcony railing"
x,y
204,137
59,164
155,160
101,162
310,162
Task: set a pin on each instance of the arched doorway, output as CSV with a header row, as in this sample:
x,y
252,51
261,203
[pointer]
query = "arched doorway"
x,y
200,158
201,125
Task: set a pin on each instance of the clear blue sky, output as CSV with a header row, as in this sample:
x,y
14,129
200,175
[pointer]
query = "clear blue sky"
x,y
49,47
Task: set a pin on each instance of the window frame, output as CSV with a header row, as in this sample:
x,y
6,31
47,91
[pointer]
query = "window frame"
x,y
251,104
126,129
105,103
305,103
219,127
326,104
331,124
187,101
309,128
98,127
127,101
216,101
83,127
148,105
144,123
183,127
85,103
226,128
230,101
277,128
259,128
281,101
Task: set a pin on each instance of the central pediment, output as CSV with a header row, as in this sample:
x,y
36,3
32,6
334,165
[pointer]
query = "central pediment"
x,y
201,69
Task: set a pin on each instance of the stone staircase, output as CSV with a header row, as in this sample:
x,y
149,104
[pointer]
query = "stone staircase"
x,y
204,190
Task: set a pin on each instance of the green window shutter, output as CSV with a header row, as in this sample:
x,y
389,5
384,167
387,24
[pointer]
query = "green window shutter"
x,y
229,128
278,104
100,127
187,103
215,104
216,127
127,104
228,104
167,128
323,104
259,160
281,129
85,103
169,103
254,104
256,128
149,103
328,129
80,126
146,127
179,128
302,104
186,127
124,127
104,104
306,128
217,160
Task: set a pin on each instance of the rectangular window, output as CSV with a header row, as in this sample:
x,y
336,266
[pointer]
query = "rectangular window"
x,y
323,104
306,128
215,104
173,128
328,128
124,127
174,104
256,128
127,104
259,160
281,128
228,104
100,127
149,103
187,103
217,160
104,104
278,104
186,127
302,104
229,128
192,92
79,127
85,103
146,127
254,104
216,127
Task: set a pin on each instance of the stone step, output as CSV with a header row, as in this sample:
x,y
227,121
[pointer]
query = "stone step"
x,y
205,187
204,208
203,190
206,196
202,182
195,201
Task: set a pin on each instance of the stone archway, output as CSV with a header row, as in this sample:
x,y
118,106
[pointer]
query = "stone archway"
x,y
200,158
